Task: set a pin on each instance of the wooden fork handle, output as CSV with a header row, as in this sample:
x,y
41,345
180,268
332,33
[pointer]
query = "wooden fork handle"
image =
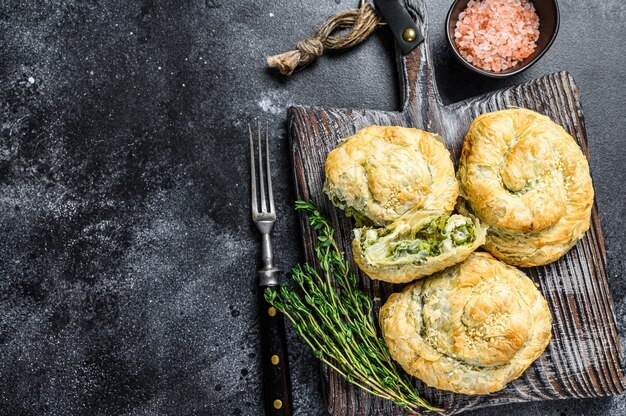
x,y
276,381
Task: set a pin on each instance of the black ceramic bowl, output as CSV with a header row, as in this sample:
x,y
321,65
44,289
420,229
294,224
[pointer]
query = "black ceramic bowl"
x,y
548,12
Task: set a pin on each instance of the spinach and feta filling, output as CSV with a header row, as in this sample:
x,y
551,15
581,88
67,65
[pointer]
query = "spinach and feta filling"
x,y
414,239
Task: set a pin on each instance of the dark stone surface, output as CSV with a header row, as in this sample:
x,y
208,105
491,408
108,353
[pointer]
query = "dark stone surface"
x,y
127,257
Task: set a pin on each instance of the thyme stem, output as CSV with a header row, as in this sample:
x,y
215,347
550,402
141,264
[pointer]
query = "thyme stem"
x,y
339,325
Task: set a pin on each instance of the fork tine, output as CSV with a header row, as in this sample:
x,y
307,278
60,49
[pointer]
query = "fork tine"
x,y
261,178
268,171
255,209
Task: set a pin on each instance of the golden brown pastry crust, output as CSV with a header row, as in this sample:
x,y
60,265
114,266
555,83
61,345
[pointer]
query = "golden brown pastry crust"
x,y
526,178
470,329
383,172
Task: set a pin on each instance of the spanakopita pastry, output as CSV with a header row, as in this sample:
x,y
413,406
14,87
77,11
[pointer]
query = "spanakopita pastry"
x,y
526,178
381,173
416,245
470,329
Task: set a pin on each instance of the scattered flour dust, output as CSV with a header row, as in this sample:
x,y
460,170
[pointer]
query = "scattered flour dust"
x,y
274,102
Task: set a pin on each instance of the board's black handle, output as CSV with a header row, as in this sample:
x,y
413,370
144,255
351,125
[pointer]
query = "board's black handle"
x,y
276,381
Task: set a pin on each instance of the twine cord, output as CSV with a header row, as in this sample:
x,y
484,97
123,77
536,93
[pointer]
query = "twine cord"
x,y
361,23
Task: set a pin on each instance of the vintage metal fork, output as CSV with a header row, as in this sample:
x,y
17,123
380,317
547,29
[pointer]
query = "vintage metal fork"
x,y
276,381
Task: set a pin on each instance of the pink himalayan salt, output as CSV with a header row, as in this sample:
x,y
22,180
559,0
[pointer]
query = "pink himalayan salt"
x,y
496,35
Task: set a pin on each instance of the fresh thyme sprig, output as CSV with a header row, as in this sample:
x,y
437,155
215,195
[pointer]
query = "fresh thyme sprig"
x,y
339,325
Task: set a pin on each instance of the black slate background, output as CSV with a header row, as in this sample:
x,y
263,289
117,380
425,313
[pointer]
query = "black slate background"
x,y
127,257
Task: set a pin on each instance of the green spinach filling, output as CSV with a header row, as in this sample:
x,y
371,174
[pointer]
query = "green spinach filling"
x,y
359,219
401,242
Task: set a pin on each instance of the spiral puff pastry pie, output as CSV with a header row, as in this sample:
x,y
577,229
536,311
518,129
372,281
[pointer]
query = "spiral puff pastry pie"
x,y
418,244
526,178
381,173
470,329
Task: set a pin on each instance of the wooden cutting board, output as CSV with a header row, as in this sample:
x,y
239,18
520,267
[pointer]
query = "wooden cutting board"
x,y
583,358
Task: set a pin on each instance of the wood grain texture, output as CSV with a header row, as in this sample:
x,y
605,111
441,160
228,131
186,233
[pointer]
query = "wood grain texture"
x,y
583,359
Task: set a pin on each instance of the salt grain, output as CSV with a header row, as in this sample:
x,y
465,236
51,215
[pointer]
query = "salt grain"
x,y
497,34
